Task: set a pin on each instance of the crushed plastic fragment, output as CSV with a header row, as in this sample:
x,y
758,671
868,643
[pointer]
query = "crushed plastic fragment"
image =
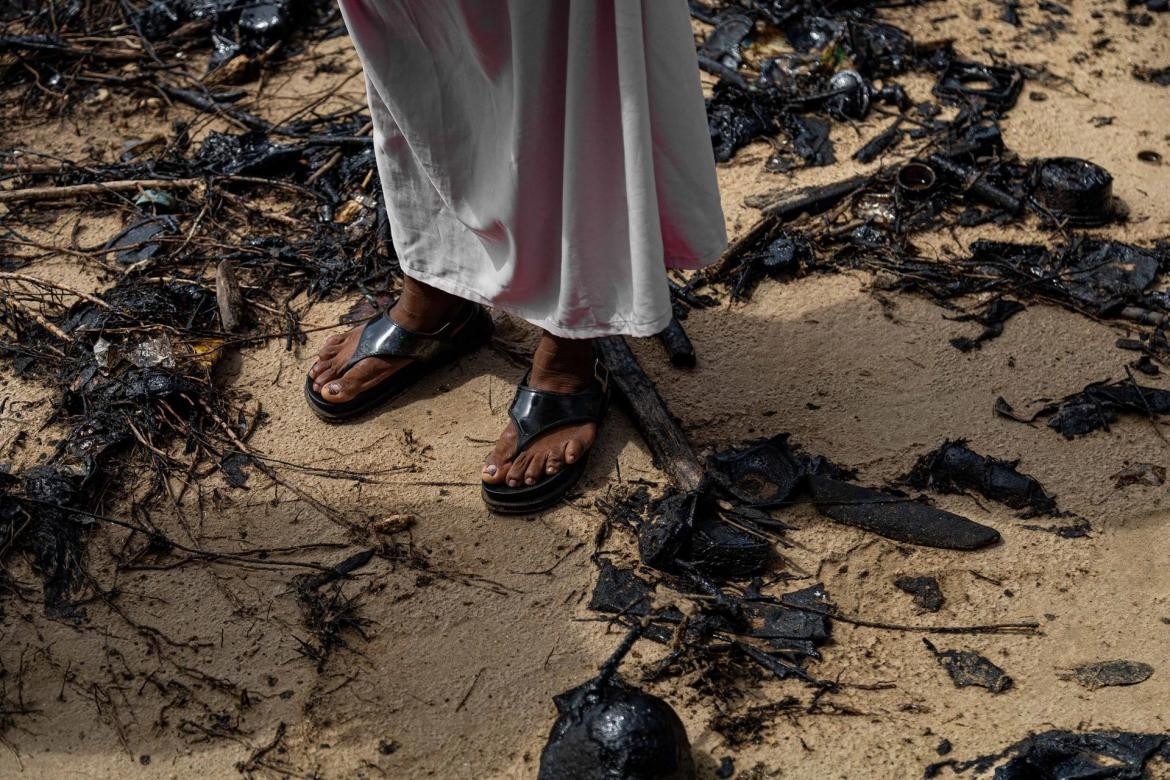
x,y
967,667
925,590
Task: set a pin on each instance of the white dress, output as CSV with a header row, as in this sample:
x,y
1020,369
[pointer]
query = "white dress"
x,y
550,158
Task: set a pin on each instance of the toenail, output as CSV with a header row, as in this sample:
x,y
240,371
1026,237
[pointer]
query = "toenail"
x,y
530,480
333,388
490,469
551,469
511,483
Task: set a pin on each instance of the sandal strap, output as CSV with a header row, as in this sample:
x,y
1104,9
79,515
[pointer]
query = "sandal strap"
x,y
383,337
535,412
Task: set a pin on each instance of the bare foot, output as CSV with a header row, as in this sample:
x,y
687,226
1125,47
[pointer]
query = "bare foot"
x,y
562,366
420,308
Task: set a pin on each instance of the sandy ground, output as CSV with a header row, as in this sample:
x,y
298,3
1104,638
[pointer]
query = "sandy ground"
x,y
456,675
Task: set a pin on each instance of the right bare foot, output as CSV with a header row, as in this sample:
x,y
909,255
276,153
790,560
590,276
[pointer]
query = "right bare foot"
x,y
421,308
561,366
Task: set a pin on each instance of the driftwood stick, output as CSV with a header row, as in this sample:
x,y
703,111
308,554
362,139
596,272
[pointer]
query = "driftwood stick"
x,y
73,190
678,345
808,200
227,295
668,444
814,200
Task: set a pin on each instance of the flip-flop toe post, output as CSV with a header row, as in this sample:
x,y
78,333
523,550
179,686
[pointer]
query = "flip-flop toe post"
x,y
534,413
383,337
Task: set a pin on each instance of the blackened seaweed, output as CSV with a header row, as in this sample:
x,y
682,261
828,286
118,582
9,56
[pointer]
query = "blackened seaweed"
x,y
737,116
997,86
992,319
897,517
1066,755
955,468
1099,273
967,667
613,730
1095,407
247,154
783,256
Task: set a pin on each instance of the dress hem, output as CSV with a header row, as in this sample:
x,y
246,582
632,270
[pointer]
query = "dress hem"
x,y
615,327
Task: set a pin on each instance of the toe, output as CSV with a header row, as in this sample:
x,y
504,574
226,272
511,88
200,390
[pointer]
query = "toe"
x,y
535,471
519,466
572,451
331,346
555,461
499,461
325,374
495,470
337,391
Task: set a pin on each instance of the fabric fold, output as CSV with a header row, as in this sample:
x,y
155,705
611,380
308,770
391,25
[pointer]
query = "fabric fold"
x,y
550,159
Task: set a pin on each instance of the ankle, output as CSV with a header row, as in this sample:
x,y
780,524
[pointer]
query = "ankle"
x,y
562,365
423,308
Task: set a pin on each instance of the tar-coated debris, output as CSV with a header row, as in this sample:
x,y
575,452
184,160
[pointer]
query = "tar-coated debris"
x,y
956,468
608,729
1066,755
615,731
967,667
897,517
236,28
770,474
142,240
1101,274
1096,407
1140,474
784,256
1074,191
724,550
992,318
996,86
1103,674
925,590
774,634
1160,76
247,154
763,475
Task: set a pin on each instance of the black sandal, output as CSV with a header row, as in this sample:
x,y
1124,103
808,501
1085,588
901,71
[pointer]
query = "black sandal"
x,y
539,411
383,337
